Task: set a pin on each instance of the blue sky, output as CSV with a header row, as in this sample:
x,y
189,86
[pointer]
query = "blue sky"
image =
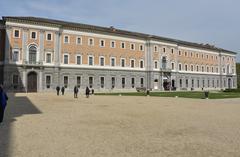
x,y
215,22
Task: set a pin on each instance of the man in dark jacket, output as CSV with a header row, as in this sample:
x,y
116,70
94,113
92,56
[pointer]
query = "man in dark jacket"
x,y
58,89
75,92
3,102
63,90
87,92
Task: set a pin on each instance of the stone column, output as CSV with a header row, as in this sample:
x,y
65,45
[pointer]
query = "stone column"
x,y
24,80
41,46
7,44
24,45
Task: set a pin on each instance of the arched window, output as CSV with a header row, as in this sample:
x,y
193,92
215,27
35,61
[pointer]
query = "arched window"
x,y
32,55
164,62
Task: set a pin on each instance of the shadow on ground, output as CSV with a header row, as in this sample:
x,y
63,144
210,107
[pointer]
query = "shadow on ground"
x,y
17,107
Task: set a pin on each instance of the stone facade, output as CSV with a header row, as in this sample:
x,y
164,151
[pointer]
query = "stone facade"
x,y
41,54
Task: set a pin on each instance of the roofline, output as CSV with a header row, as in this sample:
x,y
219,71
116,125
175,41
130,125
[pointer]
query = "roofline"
x,y
111,30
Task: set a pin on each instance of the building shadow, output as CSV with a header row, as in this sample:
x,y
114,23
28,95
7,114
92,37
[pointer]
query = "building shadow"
x,y
17,107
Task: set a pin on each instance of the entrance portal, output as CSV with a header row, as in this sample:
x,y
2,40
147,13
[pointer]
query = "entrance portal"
x,y
32,82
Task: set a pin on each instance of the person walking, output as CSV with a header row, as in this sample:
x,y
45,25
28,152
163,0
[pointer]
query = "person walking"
x,y
63,90
3,103
58,89
87,92
75,92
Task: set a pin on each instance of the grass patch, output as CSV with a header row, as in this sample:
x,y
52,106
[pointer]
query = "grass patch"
x,y
195,95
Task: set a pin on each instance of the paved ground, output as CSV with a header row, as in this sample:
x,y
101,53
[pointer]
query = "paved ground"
x,y
44,125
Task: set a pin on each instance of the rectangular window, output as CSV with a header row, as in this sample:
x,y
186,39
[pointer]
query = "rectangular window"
x,y
208,83
48,81
17,33
180,83
112,62
33,35
186,83
132,46
113,82
133,82
186,68
155,64
65,59
79,60
141,64
203,83
122,62
90,82
65,81
142,82
179,53
79,40
113,44
180,67
90,60
192,83
198,83
15,56
49,36
90,42
172,66
102,82
155,49
123,82
102,43
48,58
66,39
141,48
123,45
79,81
172,51
132,63
102,61
213,83
164,49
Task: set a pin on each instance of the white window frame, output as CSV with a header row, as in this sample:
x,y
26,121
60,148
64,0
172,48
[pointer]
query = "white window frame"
x,y
181,67
14,33
89,41
100,43
142,47
131,63
104,82
68,58
173,68
47,36
124,43
92,60
13,50
36,35
80,80
124,62
155,61
78,55
111,61
113,41
46,58
78,37
100,60
197,68
185,67
63,81
46,80
192,67
155,48
140,63
134,46
64,39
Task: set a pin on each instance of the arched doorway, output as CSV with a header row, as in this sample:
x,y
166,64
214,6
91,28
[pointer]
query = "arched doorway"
x,y
32,82
156,84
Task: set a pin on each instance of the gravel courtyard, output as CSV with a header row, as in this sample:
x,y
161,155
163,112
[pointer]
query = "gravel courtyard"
x,y
46,125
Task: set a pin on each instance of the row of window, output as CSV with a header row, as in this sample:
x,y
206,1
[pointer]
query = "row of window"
x,y
91,82
102,61
33,35
203,83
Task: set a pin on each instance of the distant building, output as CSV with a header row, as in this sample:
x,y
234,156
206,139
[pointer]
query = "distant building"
x,y
238,75
38,54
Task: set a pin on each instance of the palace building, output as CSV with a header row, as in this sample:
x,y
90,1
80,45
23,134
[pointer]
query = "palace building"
x,y
38,54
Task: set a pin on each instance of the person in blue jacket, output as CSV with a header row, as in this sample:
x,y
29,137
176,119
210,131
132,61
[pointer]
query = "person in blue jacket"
x,y
3,102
